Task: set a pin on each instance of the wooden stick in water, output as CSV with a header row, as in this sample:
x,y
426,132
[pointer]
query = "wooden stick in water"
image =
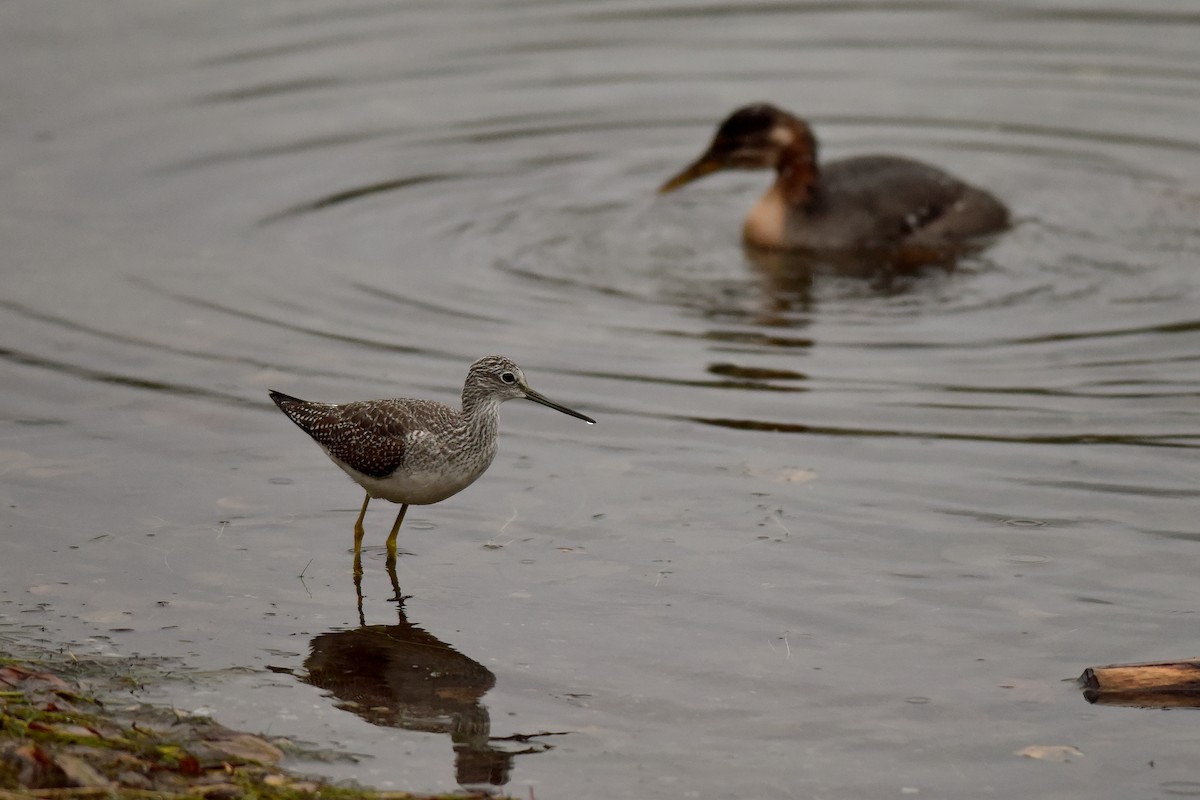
x,y
1159,684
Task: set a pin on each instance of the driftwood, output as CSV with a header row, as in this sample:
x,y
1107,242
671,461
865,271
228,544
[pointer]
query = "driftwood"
x,y
1160,684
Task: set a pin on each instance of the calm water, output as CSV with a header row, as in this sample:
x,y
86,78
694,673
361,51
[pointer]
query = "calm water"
x,y
826,541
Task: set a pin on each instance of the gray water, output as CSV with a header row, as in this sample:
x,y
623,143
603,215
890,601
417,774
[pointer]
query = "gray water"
x,y
827,540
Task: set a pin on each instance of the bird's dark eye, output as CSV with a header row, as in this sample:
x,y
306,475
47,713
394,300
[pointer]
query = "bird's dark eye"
x,y
508,377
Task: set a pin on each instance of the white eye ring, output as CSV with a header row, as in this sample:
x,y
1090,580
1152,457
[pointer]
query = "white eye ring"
x,y
508,377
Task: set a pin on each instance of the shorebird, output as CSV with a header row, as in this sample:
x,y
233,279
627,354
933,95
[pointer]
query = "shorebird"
x,y
416,452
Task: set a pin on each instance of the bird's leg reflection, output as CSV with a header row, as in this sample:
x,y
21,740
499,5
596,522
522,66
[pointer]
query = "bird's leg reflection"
x,y
396,597
358,575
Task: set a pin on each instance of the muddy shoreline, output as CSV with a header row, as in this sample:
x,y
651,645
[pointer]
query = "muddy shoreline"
x,y
72,728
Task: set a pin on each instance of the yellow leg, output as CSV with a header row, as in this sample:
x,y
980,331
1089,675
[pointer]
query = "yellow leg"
x,y
391,540
358,526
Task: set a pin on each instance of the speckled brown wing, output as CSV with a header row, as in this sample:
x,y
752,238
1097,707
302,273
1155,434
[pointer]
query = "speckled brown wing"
x,y
362,435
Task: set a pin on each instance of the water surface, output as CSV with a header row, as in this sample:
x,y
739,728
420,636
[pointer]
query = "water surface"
x,y
827,540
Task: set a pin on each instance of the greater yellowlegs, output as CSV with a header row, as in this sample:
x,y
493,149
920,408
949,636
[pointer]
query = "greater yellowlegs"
x,y
416,452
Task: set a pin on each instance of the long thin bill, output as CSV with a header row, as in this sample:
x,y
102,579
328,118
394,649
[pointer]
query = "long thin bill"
x,y
537,397
705,165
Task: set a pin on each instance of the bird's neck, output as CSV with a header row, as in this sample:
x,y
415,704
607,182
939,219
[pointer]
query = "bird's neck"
x,y
796,170
480,414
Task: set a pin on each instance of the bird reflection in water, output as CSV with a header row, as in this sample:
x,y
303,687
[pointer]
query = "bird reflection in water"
x,y
400,676
788,279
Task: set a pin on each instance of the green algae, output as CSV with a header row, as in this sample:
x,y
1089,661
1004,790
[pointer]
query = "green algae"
x,y
64,733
